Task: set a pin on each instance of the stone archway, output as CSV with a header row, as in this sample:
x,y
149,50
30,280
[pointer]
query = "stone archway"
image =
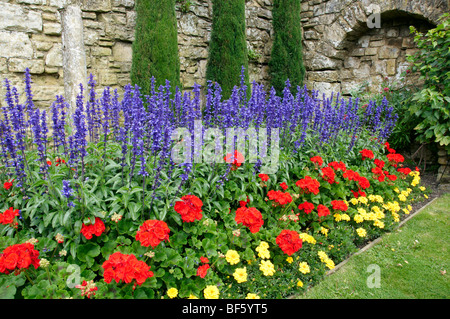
x,y
340,49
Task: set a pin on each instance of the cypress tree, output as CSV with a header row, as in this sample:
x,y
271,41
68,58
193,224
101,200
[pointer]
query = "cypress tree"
x,y
155,48
286,58
228,45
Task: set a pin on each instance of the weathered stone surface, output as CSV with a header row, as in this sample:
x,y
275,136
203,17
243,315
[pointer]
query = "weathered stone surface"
x,y
3,65
19,65
122,52
96,5
388,52
14,18
52,28
54,56
15,45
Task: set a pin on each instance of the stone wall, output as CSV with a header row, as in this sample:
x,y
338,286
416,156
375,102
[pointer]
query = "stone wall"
x,y
339,49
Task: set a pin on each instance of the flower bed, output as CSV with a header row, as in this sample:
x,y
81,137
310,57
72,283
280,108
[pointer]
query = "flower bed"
x,y
102,208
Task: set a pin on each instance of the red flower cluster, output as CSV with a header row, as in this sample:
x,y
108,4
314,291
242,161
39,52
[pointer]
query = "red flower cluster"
x,y
152,232
354,176
359,193
308,185
379,163
243,203
365,153
389,149
190,208
317,160
7,185
203,269
97,228
19,256
60,161
323,210
125,267
87,288
404,171
235,160
289,241
279,197
329,175
249,217
264,177
394,159
306,207
339,205
284,186
8,216
337,166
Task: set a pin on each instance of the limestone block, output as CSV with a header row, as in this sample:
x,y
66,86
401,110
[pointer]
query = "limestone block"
x,y
364,41
15,45
52,28
323,76
357,52
371,51
36,2
388,52
3,65
101,51
122,52
363,71
54,56
352,62
19,65
123,3
391,67
14,18
327,88
96,5
320,62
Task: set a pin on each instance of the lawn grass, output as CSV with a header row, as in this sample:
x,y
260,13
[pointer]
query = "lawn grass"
x,y
413,261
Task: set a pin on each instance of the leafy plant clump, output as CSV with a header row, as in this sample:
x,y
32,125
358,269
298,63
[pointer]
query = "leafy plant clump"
x,y
110,204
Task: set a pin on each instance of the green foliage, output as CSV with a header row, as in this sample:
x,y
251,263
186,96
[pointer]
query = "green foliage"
x,y
286,59
432,103
155,49
228,47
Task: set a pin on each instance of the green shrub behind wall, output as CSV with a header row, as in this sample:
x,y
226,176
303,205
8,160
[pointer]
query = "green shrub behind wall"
x,y
286,58
155,48
228,46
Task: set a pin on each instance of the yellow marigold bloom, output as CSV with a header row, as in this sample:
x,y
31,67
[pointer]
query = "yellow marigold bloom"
x,y
362,211
263,252
337,217
324,231
363,200
379,215
422,188
191,296
290,260
354,201
252,296
425,195
361,232
358,218
378,223
299,283
303,267
406,211
263,245
232,257
402,197
396,190
172,292
307,238
240,274
396,217
267,267
322,255
211,292
370,216
345,217
376,209
329,263
409,207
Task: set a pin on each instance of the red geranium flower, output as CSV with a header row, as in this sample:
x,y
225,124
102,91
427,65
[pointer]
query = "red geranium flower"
x,y
235,160
152,232
351,175
308,185
329,175
249,217
126,268
19,256
263,177
339,205
392,177
8,216
204,260
190,208
317,160
97,228
284,186
365,153
306,207
337,166
394,159
243,203
289,241
379,163
202,270
7,185
323,210
279,197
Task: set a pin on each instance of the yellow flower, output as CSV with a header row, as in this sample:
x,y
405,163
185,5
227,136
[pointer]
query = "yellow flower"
x,y
396,217
303,267
362,211
240,274
324,231
376,209
361,232
267,267
396,190
354,201
337,217
299,283
345,217
308,238
379,215
172,292
191,296
378,223
425,195
329,263
232,257
402,197
358,218
263,251
322,255
363,200
422,188
290,260
211,292
252,296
